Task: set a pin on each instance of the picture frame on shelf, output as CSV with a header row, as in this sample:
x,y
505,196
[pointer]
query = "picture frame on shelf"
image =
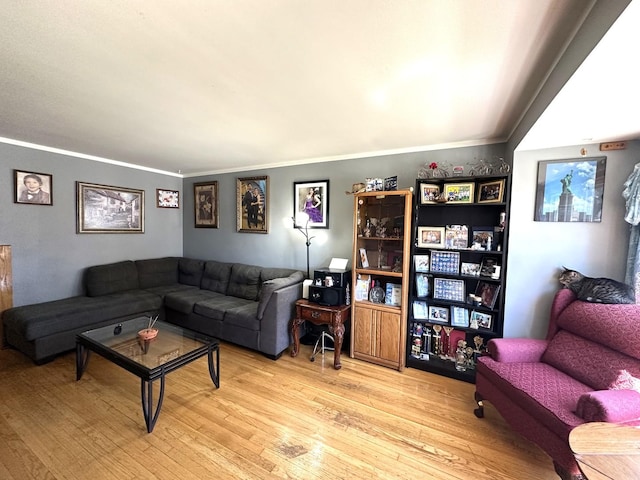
x,y
488,267
438,314
459,192
488,293
252,204
491,192
107,209
311,199
456,236
459,317
480,320
421,263
167,198
431,237
470,268
420,310
422,284
482,237
32,188
429,193
445,262
449,289
364,260
205,204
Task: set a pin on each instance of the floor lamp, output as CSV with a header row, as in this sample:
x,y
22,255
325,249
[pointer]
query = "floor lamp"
x,y
300,219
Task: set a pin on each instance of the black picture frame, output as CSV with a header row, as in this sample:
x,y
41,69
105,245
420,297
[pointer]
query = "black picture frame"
x,y
563,195
488,293
205,204
167,198
39,190
312,199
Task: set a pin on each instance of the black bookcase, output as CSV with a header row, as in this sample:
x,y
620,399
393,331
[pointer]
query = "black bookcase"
x,y
458,269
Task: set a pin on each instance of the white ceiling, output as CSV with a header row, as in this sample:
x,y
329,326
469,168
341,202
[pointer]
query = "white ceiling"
x,y
217,85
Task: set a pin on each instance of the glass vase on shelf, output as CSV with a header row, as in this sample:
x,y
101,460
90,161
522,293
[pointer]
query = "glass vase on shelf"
x,y
376,294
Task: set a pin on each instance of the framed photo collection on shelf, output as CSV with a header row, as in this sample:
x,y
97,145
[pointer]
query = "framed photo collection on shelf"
x,y
448,289
445,262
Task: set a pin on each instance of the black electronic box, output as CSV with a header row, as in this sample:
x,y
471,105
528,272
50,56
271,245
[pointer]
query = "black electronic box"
x,y
331,287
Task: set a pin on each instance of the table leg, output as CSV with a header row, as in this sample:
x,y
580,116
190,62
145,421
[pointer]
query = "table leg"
x,y
214,368
296,335
338,336
146,388
82,359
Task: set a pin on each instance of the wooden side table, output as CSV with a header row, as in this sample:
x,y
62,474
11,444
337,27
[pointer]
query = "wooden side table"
x,y
334,316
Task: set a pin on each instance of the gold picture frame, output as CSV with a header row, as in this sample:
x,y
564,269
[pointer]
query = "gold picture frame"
x,y
491,192
459,192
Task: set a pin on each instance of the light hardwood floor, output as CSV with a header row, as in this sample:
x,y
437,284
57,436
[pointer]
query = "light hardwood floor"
x,y
288,419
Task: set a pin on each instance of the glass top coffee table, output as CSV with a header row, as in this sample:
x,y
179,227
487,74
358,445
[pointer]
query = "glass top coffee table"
x,y
150,360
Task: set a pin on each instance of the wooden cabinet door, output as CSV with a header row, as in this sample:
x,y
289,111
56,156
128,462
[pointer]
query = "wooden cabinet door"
x,y
363,331
388,336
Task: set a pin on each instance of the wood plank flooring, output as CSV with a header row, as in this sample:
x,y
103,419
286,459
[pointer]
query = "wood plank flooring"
x,y
284,419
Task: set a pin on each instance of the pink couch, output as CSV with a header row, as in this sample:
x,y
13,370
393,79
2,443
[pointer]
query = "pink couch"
x,y
586,370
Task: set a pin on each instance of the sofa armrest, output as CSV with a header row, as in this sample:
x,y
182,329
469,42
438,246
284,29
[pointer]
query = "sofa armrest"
x,y
614,406
271,286
516,350
275,326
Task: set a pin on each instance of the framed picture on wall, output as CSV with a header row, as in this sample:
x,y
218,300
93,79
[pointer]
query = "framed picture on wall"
x,y
32,188
311,204
570,190
106,209
205,202
167,198
252,204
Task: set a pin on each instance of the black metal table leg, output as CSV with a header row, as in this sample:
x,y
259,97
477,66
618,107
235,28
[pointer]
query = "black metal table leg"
x,y
214,369
146,390
82,359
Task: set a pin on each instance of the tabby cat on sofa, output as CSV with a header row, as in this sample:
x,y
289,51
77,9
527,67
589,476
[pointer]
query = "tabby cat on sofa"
x,y
596,290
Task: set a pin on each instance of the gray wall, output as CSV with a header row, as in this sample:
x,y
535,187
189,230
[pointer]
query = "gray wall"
x,y
538,250
284,246
48,254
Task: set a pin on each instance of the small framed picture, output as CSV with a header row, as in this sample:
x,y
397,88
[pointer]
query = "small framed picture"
x,y
459,317
438,314
421,263
33,188
419,309
363,258
422,284
205,204
488,293
459,192
429,193
482,238
480,320
470,268
488,267
431,237
167,198
448,289
491,192
456,236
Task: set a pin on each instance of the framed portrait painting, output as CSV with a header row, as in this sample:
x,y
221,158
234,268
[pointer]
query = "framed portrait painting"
x,y
106,209
32,188
252,204
205,203
311,204
570,190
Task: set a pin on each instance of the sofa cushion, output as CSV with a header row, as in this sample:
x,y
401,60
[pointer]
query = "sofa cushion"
x,y
615,406
244,281
616,326
216,276
183,301
243,316
591,363
217,307
269,273
48,318
270,286
111,278
190,271
157,271
163,290
540,388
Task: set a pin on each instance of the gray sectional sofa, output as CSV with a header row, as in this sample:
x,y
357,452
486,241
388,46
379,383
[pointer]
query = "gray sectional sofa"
x,y
244,304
